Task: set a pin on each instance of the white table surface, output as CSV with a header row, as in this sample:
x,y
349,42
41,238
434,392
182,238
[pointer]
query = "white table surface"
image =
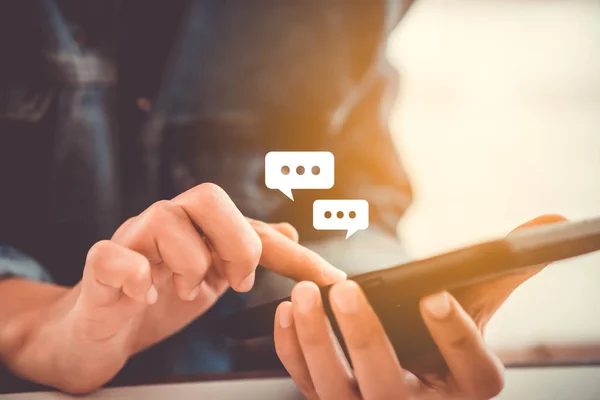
x,y
557,383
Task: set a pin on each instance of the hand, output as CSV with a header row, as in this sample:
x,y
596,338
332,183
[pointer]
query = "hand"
x,y
161,270
310,352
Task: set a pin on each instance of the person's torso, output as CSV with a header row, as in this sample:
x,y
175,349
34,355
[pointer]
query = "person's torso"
x,y
117,104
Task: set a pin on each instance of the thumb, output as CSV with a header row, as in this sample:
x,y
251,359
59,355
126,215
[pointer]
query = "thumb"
x,y
541,220
522,276
483,300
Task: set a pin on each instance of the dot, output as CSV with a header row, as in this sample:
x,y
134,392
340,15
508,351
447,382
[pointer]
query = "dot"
x,y
285,170
352,214
327,214
316,170
300,170
340,214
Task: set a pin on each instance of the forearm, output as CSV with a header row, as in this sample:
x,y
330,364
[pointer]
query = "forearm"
x,y
27,310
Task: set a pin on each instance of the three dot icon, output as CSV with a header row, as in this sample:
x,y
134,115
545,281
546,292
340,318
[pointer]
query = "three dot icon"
x,y
288,170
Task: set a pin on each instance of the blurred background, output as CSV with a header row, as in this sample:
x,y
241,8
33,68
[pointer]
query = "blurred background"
x,y
498,121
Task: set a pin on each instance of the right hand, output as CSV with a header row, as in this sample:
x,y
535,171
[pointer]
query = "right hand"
x,y
311,353
161,270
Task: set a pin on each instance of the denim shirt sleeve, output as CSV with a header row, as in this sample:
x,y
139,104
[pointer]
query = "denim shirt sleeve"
x,y
13,263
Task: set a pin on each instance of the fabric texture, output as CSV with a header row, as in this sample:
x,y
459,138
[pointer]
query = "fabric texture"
x,y
14,264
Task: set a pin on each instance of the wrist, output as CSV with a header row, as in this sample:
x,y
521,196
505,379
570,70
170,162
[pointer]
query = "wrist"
x,y
83,364
60,354
37,340
24,308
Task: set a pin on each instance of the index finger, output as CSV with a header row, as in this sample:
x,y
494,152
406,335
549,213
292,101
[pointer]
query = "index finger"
x,y
230,235
284,256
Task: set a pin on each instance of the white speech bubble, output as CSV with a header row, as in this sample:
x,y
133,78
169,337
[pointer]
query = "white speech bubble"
x,y
287,170
341,215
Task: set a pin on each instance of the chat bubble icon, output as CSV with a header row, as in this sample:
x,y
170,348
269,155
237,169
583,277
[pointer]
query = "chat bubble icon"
x,y
287,170
341,215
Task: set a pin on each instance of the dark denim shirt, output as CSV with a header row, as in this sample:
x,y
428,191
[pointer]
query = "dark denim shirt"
x,y
108,106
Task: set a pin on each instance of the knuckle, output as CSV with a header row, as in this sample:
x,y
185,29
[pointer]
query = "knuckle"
x,y
210,192
203,263
260,227
255,250
364,337
160,211
493,385
489,384
98,251
120,232
460,340
163,213
141,269
250,254
241,269
291,230
283,349
315,341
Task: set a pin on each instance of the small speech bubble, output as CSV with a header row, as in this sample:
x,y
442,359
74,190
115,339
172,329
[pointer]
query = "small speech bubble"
x,y
341,215
287,170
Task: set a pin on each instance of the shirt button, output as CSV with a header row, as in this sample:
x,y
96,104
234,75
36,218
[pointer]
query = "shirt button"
x,y
144,104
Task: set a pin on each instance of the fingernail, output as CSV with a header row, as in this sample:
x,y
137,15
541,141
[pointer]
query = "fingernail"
x,y
346,297
194,293
286,318
438,305
247,283
336,275
152,295
305,296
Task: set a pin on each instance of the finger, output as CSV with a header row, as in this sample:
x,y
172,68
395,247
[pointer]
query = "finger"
x,y
289,351
211,289
328,368
122,229
376,366
111,269
287,230
166,236
284,256
491,295
477,372
116,285
229,233
284,228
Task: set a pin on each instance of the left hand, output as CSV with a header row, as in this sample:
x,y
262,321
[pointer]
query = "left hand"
x,y
161,270
310,352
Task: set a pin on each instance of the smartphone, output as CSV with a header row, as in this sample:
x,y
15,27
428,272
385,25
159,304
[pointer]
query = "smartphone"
x,y
394,293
